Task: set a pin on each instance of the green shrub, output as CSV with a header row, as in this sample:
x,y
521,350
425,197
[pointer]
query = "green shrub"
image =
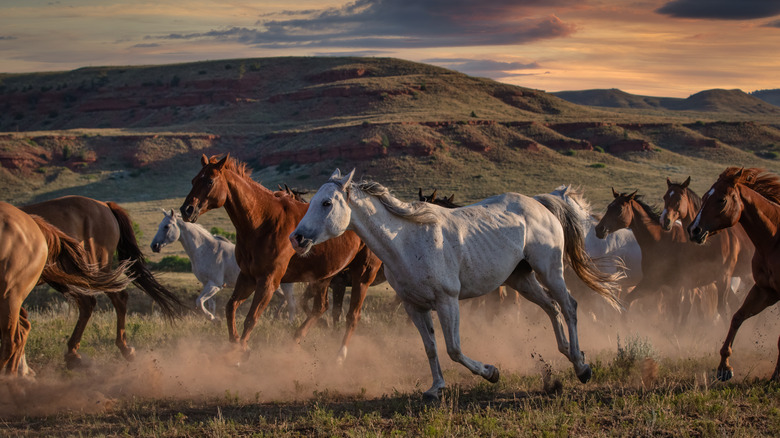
x,y
226,234
598,165
172,263
598,149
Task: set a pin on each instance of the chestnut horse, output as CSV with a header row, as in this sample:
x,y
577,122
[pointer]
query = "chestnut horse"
x,y
104,228
681,203
669,261
748,197
264,254
31,250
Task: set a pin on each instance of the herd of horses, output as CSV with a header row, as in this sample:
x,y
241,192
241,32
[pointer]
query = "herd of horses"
x,y
549,248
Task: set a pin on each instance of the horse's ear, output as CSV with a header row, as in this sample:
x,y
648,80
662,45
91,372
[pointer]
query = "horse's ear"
x,y
739,173
420,195
614,193
221,163
204,160
668,182
336,174
173,213
433,195
687,181
633,194
347,179
451,198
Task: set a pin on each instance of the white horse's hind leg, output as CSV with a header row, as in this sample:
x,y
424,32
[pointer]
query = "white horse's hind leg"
x,y
424,323
553,279
449,316
528,286
288,289
209,290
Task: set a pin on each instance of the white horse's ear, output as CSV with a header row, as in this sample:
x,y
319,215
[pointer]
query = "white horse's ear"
x,y
173,213
336,174
347,179
165,212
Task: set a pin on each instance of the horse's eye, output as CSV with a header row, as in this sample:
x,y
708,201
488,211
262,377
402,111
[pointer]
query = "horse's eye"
x,y
326,203
722,201
167,226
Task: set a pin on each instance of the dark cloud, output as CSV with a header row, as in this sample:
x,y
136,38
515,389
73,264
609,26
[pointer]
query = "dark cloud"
x,y
7,37
403,24
775,23
483,67
145,46
721,9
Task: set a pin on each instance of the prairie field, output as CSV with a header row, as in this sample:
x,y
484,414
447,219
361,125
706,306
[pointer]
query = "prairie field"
x,y
649,378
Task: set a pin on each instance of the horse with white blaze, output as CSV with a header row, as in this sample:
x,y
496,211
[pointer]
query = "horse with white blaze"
x,y
434,256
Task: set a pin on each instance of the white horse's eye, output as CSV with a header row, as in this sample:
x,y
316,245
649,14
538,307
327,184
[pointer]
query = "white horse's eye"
x,y
326,203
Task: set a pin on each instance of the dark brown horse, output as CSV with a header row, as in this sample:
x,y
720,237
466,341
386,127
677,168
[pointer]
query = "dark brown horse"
x,y
263,222
751,198
104,228
681,203
669,261
32,250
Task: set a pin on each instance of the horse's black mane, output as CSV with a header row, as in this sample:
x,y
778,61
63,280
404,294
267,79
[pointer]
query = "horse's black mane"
x,y
651,211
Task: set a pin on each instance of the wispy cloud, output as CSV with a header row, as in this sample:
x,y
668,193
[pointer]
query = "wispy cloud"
x,y
484,67
7,37
775,23
721,9
401,24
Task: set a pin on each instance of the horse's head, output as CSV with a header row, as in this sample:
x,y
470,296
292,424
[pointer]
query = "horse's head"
x,y
328,215
209,189
167,232
441,202
675,203
618,216
721,207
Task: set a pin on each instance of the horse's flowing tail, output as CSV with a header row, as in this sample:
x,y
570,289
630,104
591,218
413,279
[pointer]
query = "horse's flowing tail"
x,y
574,244
68,270
128,250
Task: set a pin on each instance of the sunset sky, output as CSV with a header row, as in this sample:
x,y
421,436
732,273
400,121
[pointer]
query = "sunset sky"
x,y
648,47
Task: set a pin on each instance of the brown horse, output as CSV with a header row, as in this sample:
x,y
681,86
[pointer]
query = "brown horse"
x,y
263,222
681,203
748,197
104,228
669,261
31,250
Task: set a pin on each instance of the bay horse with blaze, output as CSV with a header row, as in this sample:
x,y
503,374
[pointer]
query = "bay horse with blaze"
x,y
750,198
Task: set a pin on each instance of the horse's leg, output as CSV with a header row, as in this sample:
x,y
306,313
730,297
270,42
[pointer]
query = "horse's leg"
x,y
86,304
319,291
209,290
526,284
339,290
23,330
776,374
756,301
552,277
449,317
424,323
289,293
263,292
119,300
363,274
245,285
10,310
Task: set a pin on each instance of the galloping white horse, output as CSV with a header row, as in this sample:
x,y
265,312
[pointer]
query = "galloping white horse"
x,y
213,260
435,256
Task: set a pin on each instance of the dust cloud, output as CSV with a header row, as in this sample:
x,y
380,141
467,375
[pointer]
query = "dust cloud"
x,y
385,357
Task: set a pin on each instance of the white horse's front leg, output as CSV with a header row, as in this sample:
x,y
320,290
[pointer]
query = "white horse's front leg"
x,y
424,323
449,316
209,290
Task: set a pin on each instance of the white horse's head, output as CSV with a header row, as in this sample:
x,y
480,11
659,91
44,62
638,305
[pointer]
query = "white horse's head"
x,y
167,232
328,215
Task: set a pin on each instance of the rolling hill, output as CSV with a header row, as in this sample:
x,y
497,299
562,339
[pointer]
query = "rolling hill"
x,y
134,134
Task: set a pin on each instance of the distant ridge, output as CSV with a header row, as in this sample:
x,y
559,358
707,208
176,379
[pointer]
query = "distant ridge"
x,y
771,96
716,100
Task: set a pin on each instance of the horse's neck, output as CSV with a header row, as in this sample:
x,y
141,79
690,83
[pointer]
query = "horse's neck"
x,y
247,205
646,230
759,218
690,212
191,236
377,227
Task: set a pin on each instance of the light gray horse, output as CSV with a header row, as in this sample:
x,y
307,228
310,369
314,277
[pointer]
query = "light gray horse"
x,y
434,256
213,260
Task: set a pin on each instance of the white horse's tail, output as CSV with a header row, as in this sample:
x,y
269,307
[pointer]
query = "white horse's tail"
x,y
574,244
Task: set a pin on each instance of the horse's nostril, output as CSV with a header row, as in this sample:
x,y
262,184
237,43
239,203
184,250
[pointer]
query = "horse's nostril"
x,y
696,231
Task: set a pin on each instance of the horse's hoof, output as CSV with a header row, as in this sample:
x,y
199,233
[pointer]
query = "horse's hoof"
x,y
493,374
585,375
725,374
73,361
129,354
429,397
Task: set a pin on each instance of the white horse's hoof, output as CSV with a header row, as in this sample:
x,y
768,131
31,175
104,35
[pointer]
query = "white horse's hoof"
x,y
430,397
585,375
492,375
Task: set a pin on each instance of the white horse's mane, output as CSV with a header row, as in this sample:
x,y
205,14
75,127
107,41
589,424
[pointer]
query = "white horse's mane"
x,y
418,212
577,194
